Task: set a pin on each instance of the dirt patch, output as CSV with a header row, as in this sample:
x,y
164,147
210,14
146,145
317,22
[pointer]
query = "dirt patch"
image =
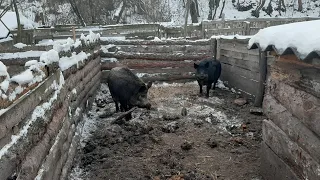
x,y
183,136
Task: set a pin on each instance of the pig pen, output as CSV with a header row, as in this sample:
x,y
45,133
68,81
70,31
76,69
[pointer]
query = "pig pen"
x,y
183,136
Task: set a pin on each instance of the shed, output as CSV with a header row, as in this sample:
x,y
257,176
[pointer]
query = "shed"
x,y
291,100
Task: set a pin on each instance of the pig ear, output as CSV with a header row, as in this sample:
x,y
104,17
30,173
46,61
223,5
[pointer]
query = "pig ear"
x,y
142,89
149,84
206,65
195,65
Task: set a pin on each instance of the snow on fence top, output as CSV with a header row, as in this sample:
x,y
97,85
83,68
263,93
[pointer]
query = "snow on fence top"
x,y
237,36
301,38
14,87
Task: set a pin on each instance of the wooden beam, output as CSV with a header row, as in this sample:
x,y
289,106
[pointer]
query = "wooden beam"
x,y
263,75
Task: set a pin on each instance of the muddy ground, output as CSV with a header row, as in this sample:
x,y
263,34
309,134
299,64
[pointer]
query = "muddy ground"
x,y
213,139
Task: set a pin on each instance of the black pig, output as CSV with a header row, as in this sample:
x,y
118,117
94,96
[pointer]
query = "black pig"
x,y
127,89
208,72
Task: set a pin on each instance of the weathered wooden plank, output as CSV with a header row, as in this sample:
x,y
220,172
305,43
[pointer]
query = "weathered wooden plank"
x,y
241,63
142,64
166,48
250,75
155,74
240,79
157,56
162,42
240,48
303,76
292,126
274,168
240,55
301,104
263,67
294,156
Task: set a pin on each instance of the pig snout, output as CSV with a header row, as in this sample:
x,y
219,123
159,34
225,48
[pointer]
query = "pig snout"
x,y
202,76
148,106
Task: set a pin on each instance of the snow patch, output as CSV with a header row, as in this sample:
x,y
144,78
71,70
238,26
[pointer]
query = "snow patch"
x,y
5,85
20,45
49,57
3,70
116,38
21,55
91,38
63,46
23,78
67,62
31,62
237,36
109,60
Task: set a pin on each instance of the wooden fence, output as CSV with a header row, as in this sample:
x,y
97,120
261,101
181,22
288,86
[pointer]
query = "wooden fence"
x,y
147,31
156,60
248,26
173,60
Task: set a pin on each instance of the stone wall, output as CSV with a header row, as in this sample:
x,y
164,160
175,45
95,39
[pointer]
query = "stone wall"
x,y
291,135
39,132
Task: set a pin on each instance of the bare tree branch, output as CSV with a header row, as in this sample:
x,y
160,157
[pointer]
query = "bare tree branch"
x,y
223,4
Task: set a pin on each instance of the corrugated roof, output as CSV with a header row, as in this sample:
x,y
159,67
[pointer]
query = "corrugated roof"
x,y
289,50
301,39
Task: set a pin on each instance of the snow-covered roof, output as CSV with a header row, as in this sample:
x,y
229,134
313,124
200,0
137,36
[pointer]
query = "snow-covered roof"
x,y
301,39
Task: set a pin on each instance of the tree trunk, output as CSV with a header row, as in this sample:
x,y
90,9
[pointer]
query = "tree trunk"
x,y
193,12
186,18
122,10
91,6
197,7
223,4
19,34
279,7
257,11
283,5
299,5
217,2
76,11
211,7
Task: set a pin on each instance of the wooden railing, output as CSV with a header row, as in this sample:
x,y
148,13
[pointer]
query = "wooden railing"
x,y
205,29
248,26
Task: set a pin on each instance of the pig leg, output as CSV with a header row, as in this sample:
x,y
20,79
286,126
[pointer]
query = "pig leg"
x,y
214,85
200,85
125,108
208,88
117,106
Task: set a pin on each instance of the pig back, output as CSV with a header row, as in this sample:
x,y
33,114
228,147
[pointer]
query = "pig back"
x,y
123,83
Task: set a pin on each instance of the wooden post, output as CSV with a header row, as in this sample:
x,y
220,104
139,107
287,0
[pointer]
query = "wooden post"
x,y
247,28
217,49
203,30
186,19
19,34
263,76
74,33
